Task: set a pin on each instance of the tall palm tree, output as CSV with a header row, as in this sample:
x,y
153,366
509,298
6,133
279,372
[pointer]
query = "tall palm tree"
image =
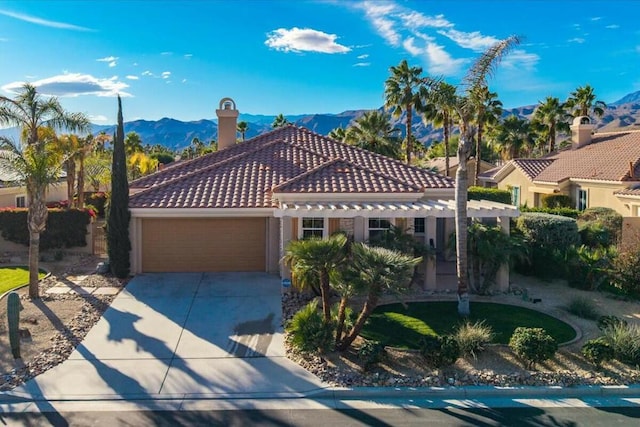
x,y
583,101
405,91
513,138
279,121
34,158
86,147
133,143
489,110
69,146
242,127
321,255
475,78
552,115
338,133
441,111
374,132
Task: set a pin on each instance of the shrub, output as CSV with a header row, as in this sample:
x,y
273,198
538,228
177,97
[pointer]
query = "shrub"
x,y
440,351
626,270
472,337
567,212
552,201
583,307
625,340
493,194
594,235
533,345
97,200
371,353
597,351
606,321
604,218
65,228
308,330
590,268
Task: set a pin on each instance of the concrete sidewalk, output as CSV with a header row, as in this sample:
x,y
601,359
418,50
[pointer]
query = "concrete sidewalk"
x,y
175,335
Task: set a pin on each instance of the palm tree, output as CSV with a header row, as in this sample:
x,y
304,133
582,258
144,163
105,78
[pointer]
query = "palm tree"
x,y
242,127
475,78
404,91
489,110
380,270
321,255
582,102
441,110
279,121
133,143
513,138
374,132
34,158
552,115
338,133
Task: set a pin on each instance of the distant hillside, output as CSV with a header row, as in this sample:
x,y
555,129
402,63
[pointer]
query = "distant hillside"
x,y
628,99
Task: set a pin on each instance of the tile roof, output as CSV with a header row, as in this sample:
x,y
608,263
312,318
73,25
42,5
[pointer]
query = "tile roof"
x,y
288,158
628,192
532,167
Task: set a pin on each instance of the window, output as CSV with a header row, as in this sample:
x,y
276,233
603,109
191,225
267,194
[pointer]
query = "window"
x,y
418,225
582,200
377,226
312,227
21,201
515,196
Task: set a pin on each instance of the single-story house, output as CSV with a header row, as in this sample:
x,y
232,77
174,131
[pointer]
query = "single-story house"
x,y
596,169
13,194
236,209
438,164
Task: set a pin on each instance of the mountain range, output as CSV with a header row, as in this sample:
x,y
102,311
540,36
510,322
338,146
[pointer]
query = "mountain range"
x,y
176,134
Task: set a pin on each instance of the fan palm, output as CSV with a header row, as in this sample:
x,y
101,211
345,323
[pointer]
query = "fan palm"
x,y
242,127
513,138
489,110
372,131
338,133
34,159
279,121
441,111
551,114
583,101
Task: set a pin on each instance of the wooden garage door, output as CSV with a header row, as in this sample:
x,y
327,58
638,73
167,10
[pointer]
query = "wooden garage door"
x,y
198,244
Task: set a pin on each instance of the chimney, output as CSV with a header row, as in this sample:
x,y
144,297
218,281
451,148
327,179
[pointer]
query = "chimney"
x,y
581,131
227,123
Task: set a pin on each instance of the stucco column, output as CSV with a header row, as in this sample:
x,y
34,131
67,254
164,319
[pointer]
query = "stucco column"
x,y
430,228
285,237
358,228
502,277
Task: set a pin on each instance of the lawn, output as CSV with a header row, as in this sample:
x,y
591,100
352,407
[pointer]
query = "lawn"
x,y
396,326
14,277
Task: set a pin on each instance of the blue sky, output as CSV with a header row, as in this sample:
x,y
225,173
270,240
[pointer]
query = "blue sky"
x,y
179,58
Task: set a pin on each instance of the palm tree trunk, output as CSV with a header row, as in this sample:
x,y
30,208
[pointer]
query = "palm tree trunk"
x,y
409,141
478,152
71,177
552,138
37,221
342,309
325,290
370,304
81,181
446,144
461,223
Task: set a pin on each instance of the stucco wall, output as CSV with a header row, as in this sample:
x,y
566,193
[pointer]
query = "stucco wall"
x,y
600,195
518,179
55,193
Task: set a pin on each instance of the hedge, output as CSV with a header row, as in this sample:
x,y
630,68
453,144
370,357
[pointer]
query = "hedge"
x,y
568,212
556,201
65,228
493,194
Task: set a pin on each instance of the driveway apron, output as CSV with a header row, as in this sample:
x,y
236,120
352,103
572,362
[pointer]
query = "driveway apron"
x,y
183,334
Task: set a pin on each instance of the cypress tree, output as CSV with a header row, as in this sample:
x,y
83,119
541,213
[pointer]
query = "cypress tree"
x,y
118,243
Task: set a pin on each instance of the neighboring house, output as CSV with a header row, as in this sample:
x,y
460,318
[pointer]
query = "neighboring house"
x,y
236,209
14,195
438,164
601,169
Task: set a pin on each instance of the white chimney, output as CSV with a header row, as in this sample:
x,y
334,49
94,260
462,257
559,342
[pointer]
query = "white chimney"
x,y
227,123
581,131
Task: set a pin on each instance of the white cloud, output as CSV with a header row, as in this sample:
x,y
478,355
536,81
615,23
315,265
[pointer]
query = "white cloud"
x,y
304,39
166,74
112,60
613,26
362,64
579,40
147,73
188,55
131,77
415,19
378,14
363,56
99,118
184,80
474,40
440,62
75,84
596,18
43,22
410,46
166,53
520,59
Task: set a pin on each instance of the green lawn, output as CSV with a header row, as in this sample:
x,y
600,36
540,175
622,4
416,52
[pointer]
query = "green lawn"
x,y
14,277
399,327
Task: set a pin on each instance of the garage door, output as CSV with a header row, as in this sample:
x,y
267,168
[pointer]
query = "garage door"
x,y
227,244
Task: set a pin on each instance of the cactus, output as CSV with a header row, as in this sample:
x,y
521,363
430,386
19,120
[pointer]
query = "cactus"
x,y
13,314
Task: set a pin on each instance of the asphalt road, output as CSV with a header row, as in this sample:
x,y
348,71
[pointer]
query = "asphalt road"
x,y
609,416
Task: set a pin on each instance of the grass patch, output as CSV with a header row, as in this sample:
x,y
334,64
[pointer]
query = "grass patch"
x,y
396,326
14,277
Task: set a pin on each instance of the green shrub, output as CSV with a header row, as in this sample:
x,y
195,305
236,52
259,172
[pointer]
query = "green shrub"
x,y
605,322
440,351
472,337
626,270
552,201
493,194
625,340
594,235
583,307
598,351
65,228
371,353
605,218
533,345
97,200
590,268
308,331
567,212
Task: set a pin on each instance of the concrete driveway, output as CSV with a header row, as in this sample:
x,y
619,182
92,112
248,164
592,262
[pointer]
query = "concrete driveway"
x,y
183,334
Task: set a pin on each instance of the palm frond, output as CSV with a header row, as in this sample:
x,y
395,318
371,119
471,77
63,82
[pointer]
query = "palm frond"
x,y
486,65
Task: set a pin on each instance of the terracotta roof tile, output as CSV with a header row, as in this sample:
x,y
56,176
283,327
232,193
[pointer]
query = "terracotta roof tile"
x,y
244,175
532,167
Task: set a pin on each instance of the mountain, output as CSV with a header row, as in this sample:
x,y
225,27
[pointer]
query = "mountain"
x,y
628,99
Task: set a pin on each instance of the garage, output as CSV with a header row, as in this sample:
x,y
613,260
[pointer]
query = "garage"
x,y
203,244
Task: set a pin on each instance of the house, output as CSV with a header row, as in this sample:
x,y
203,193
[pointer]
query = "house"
x,y
236,209
597,169
14,195
438,164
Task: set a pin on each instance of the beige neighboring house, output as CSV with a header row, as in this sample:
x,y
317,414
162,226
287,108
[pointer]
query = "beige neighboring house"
x,y
14,195
438,164
236,209
596,170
